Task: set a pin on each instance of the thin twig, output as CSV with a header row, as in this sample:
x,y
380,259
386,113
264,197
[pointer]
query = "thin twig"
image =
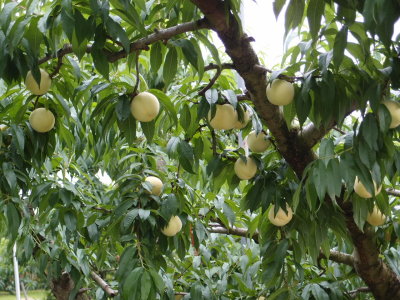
x,y
211,83
339,130
58,67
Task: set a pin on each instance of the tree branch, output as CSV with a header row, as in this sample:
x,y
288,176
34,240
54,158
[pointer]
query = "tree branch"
x,y
312,134
355,292
339,257
234,231
104,285
211,83
336,256
141,44
393,192
215,66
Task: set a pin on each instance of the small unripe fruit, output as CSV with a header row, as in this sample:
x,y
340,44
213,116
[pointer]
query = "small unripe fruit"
x,y
245,170
156,185
281,218
246,119
145,107
225,117
376,217
361,191
394,109
280,92
173,227
42,120
257,142
34,87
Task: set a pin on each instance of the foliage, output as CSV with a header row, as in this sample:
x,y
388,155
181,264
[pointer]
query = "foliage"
x,y
66,217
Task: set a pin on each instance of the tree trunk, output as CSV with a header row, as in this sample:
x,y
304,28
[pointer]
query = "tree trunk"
x,y
61,288
382,281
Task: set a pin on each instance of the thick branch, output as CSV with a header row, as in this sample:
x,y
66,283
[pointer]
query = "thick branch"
x,y
104,285
141,44
312,134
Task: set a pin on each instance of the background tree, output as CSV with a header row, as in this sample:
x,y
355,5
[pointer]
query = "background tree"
x,y
93,238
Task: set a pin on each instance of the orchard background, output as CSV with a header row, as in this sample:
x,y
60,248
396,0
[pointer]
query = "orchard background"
x,y
89,238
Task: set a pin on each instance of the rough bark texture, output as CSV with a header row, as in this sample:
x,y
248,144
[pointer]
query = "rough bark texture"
x,y
295,147
61,288
382,281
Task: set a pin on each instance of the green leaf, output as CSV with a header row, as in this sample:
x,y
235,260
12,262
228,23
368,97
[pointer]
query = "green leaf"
x,y
19,138
170,65
369,130
211,47
143,213
185,117
326,151
172,146
189,51
169,207
130,217
156,56
231,97
157,279
34,37
5,15
10,176
166,103
100,62
315,11
145,285
277,6
132,283
294,14
17,32
118,33
339,46
123,108
13,219
186,156
70,220
128,128
148,130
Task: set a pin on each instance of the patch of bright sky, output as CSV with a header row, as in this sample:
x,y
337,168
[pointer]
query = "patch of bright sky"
x,y
268,32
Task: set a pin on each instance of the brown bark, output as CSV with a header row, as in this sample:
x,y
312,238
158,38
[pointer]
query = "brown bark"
x,y
296,149
382,281
61,288
291,145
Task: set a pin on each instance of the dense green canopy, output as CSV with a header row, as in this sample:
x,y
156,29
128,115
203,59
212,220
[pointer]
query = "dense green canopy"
x,y
74,197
